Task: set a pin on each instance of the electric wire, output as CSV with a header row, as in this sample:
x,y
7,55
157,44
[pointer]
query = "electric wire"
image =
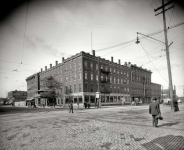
x,y
22,63
151,34
130,14
118,49
152,62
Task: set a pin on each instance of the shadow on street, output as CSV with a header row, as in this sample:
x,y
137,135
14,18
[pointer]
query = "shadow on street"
x,y
169,142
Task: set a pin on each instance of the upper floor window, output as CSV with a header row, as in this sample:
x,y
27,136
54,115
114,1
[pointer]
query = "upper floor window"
x,y
86,64
91,65
101,66
96,66
86,75
79,75
110,79
91,76
70,77
118,81
106,68
114,80
79,66
86,87
74,66
79,87
114,71
92,88
74,76
101,77
74,87
96,77
110,69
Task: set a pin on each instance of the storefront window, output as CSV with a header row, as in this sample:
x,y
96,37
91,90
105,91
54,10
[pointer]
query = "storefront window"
x,y
118,99
115,98
103,99
92,99
86,98
80,99
107,99
111,99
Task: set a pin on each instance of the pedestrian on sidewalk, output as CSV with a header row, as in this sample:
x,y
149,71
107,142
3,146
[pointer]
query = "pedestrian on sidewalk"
x,y
154,110
71,107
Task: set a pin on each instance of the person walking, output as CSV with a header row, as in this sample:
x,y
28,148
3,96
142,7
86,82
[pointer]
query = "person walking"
x,y
71,107
154,110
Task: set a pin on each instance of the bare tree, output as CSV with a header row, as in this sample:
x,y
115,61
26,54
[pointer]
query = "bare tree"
x,y
50,85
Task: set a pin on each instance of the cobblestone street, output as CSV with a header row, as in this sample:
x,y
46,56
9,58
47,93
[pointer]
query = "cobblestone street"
x,y
112,128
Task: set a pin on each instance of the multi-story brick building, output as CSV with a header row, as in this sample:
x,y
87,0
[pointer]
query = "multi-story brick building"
x,y
17,96
33,85
83,74
156,91
140,84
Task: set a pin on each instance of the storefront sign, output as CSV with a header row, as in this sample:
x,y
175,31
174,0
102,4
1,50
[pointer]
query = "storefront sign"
x,y
97,94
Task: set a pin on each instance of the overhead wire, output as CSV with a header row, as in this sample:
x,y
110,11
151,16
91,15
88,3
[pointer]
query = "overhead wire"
x,y
130,14
152,62
151,34
178,17
118,49
22,63
25,29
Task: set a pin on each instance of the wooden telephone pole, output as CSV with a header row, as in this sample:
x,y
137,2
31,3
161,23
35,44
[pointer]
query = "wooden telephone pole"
x,y
167,48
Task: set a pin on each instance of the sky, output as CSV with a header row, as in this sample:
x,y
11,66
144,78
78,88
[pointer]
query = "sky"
x,y
38,33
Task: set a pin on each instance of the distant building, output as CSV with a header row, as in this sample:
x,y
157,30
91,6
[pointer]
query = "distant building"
x,y
17,96
166,93
140,84
156,91
3,101
83,74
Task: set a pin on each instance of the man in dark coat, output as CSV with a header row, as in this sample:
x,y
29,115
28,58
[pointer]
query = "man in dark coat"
x,y
71,107
154,110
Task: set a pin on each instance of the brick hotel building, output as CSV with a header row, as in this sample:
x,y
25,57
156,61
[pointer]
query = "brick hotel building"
x,y
83,74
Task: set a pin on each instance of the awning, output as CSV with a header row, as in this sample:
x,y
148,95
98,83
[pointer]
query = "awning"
x,y
30,99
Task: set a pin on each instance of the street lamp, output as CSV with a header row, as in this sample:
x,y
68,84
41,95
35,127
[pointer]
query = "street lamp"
x,y
137,42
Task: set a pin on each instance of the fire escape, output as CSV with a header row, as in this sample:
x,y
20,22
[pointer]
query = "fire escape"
x,y
105,81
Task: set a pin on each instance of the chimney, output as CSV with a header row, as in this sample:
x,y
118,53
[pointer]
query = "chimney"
x,y
111,59
50,66
129,64
56,63
63,59
45,68
41,69
119,61
125,64
93,52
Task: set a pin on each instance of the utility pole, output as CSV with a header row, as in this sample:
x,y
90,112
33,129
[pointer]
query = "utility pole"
x,y
167,48
91,42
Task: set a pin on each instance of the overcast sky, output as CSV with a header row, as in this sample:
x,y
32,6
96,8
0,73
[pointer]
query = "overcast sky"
x,y
46,31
